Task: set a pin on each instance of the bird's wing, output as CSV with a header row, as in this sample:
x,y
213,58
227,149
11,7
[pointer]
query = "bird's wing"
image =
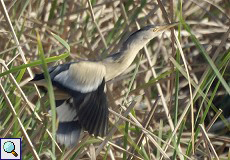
x,y
83,77
93,111
84,81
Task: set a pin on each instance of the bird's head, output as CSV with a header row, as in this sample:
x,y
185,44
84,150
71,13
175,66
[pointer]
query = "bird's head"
x,y
145,34
152,31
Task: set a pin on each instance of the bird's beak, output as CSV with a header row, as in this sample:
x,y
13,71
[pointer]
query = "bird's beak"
x,y
167,26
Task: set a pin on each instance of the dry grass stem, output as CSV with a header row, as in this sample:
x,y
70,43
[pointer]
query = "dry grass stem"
x,y
185,68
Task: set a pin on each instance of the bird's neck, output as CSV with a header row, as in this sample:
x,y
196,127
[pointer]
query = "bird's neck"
x,y
119,62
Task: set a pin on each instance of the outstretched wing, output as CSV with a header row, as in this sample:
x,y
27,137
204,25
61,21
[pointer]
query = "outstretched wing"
x,y
84,82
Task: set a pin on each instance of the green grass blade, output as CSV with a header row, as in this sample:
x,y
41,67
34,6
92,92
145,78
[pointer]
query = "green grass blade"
x,y
53,7
35,63
63,42
50,91
206,56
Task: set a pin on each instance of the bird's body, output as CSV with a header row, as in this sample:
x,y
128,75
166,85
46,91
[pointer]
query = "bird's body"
x,y
79,87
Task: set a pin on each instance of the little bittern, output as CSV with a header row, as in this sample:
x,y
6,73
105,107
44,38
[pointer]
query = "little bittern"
x,y
79,87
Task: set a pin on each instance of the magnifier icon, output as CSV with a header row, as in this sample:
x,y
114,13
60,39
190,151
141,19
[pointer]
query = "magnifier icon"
x,y
9,147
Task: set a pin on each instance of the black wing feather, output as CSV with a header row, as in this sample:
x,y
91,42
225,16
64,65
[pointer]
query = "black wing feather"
x,y
88,112
104,123
94,119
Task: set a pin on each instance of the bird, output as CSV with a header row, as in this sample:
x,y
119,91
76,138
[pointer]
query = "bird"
x,y
79,87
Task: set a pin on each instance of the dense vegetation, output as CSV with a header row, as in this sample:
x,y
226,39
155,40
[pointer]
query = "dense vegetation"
x,y
165,105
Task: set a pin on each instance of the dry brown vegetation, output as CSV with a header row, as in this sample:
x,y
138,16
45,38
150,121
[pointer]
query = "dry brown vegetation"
x,y
150,108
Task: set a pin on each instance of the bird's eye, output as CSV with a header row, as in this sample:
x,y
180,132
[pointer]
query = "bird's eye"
x,y
154,29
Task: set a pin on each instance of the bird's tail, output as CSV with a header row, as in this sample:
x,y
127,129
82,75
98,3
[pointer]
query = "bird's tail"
x,y
69,128
68,133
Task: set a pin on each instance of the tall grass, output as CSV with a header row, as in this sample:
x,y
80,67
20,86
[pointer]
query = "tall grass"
x,y
163,107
